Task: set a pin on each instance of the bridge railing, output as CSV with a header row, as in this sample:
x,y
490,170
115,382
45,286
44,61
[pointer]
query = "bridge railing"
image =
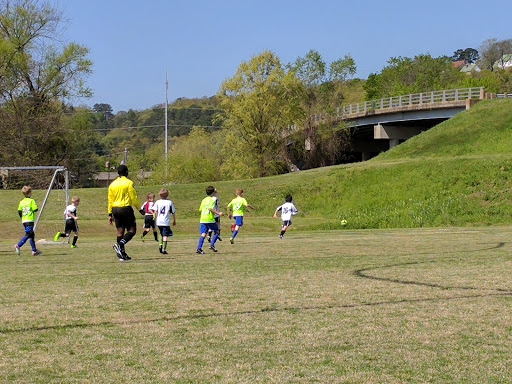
x,y
449,95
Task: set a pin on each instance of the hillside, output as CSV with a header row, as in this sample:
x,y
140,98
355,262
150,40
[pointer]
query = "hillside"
x,y
456,174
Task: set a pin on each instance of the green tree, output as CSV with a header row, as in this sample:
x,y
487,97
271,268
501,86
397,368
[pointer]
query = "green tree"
x,y
469,55
36,73
260,101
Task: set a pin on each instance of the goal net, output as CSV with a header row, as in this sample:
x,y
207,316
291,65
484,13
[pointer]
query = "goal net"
x,y
50,190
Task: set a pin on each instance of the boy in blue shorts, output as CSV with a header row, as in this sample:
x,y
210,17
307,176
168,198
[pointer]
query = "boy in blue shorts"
x,y
287,210
26,209
237,206
207,221
163,209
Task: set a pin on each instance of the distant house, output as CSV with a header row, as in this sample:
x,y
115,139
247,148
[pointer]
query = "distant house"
x,y
465,67
504,63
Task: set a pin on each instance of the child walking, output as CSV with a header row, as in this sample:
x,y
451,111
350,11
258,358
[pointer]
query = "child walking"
x,y
287,210
215,197
71,222
207,221
163,209
237,206
149,220
26,209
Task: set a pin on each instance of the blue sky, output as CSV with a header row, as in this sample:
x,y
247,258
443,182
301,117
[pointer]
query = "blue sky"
x,y
200,43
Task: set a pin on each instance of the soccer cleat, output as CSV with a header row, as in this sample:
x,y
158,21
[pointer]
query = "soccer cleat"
x,y
118,251
212,248
164,252
36,252
125,256
56,237
73,246
142,238
219,239
231,240
200,251
281,237
17,249
208,238
160,249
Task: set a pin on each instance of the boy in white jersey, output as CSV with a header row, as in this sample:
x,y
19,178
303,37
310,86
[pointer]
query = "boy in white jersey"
x,y
71,222
163,209
287,210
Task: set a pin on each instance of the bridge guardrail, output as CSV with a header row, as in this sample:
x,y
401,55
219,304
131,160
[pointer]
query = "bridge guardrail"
x,y
412,99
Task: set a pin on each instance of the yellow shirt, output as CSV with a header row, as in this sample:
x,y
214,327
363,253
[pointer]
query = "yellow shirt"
x,y
121,194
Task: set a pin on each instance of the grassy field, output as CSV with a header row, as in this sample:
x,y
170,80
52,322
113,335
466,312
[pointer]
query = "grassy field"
x,y
349,306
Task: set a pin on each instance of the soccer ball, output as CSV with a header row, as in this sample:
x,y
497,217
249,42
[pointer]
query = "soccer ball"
x,y
343,222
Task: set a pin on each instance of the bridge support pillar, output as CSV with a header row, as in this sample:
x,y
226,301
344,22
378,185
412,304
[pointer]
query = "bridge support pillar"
x,y
394,133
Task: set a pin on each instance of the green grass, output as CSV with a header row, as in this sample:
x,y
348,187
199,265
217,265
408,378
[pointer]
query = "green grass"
x,y
365,306
372,303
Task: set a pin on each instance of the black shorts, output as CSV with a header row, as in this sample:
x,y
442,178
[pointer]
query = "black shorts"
x,y
149,221
71,226
124,217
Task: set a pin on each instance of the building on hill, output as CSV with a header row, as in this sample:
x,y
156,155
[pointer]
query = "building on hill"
x,y
465,67
503,63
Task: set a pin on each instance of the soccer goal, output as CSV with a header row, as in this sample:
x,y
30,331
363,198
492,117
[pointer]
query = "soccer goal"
x,y
50,189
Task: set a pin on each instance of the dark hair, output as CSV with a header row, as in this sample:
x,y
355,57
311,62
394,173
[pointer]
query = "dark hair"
x,y
288,198
122,170
209,190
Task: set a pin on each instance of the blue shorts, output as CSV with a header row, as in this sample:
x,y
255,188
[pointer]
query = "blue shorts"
x,y
239,220
165,230
287,222
205,227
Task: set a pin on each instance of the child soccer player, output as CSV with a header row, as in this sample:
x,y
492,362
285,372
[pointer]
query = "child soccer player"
x,y
149,220
164,208
215,196
207,221
287,210
71,224
237,206
26,209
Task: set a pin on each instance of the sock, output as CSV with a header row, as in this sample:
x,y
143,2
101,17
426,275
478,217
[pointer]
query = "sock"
x,y
282,233
22,241
128,236
144,234
164,245
214,238
234,233
156,236
200,242
33,244
122,243
119,238
75,238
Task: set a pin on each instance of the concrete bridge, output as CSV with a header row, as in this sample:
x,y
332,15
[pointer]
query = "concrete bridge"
x,y
379,125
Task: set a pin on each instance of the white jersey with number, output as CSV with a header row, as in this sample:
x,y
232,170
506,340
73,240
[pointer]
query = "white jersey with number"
x,y
163,210
287,210
70,209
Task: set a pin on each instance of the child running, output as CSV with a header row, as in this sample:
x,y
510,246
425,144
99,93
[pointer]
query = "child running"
x,y
163,209
215,197
237,206
149,220
207,221
71,222
26,209
287,210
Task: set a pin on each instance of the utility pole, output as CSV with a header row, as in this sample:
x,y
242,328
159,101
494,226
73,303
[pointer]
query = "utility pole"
x,y
166,124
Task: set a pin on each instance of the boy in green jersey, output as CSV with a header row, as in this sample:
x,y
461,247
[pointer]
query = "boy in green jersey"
x,y
237,206
207,221
26,209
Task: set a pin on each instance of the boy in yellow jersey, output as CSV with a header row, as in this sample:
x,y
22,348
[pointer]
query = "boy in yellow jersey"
x,y
26,209
207,221
237,206
121,197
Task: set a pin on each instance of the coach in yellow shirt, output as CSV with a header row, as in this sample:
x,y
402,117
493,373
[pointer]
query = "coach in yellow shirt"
x,y
121,197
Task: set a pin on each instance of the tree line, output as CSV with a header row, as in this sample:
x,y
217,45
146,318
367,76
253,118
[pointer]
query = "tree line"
x,y
259,123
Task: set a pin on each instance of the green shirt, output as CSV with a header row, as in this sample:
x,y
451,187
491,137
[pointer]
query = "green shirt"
x,y
238,205
27,207
207,215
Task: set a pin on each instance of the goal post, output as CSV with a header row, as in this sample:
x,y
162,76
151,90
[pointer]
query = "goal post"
x,y
52,179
